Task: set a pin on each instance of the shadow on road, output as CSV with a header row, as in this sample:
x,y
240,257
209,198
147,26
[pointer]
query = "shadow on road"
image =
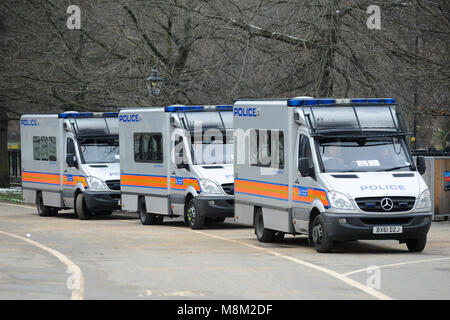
x,y
360,247
115,216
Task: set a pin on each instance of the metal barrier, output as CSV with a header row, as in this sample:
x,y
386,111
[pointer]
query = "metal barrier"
x,y
437,177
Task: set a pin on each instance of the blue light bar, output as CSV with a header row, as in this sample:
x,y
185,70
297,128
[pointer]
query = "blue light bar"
x,y
197,108
110,114
76,115
312,102
225,108
88,115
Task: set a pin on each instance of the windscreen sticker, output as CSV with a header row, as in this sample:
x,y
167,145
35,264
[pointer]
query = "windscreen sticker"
x,y
362,163
368,163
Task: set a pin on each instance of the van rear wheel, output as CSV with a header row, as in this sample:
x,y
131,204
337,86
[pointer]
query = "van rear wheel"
x,y
321,240
147,218
263,234
81,209
44,211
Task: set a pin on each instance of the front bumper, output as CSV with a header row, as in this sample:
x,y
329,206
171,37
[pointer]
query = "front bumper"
x,y
360,226
102,201
215,207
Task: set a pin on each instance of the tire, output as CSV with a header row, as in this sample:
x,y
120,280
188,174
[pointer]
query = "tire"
x,y
159,219
44,211
104,213
81,209
416,245
147,218
278,236
321,240
262,234
194,218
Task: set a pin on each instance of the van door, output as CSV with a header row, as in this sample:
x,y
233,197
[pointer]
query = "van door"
x,y
181,175
71,176
307,192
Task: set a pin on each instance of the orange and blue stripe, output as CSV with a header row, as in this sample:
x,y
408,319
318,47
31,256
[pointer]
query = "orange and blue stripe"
x,y
41,178
262,189
182,183
307,195
143,181
73,180
158,182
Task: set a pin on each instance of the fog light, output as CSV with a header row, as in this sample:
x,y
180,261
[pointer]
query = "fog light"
x,y
342,220
426,219
211,202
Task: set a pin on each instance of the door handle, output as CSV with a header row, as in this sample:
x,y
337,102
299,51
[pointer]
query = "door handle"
x,y
173,172
296,181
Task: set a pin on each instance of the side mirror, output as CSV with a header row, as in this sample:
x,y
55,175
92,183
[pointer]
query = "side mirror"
x,y
305,167
71,160
182,164
421,166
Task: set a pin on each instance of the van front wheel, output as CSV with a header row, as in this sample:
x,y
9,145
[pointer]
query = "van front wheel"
x,y
81,209
321,240
416,245
263,234
193,216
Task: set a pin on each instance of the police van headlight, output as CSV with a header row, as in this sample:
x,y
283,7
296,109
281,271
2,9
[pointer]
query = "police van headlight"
x,y
96,184
424,201
209,186
340,201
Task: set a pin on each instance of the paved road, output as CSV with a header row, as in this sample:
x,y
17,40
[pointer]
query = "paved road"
x,y
118,258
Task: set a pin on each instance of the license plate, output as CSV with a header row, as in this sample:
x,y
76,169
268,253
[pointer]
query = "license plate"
x,y
387,229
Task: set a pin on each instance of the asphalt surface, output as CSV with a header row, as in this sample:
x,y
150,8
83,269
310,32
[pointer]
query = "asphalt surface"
x,y
116,257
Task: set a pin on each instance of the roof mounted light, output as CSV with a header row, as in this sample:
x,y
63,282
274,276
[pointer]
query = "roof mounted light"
x,y
361,101
67,115
197,108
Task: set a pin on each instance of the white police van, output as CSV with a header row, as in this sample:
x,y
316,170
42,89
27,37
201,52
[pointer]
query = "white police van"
x,y
177,161
71,160
332,169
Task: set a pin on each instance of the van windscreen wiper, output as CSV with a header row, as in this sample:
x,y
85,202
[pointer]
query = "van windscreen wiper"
x,y
395,168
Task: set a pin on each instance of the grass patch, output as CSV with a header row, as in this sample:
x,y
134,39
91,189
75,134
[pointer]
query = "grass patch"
x,y
11,196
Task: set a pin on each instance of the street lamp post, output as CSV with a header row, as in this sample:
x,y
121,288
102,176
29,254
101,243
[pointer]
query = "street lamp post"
x,y
154,83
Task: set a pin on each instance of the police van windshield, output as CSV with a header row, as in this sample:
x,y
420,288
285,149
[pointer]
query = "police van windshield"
x,y
100,151
368,154
212,153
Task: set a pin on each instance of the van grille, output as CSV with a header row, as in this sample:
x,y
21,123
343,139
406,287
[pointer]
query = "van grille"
x,y
373,204
386,221
228,188
113,184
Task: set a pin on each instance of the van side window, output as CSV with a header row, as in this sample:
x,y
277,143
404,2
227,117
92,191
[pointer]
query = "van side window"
x,y
52,148
70,149
267,148
304,150
44,148
37,148
148,147
179,151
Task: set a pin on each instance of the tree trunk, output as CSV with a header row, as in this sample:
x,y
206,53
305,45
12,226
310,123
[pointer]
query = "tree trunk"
x,y
4,168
